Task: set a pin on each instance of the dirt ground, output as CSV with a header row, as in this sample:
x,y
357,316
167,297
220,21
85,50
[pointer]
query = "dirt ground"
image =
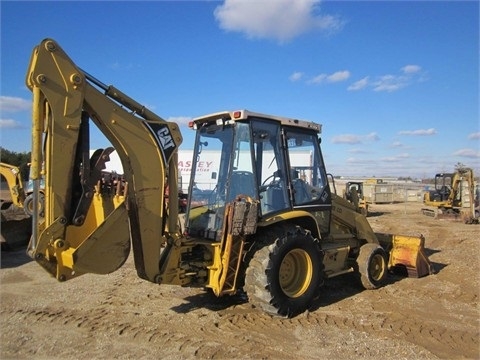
x,y
119,316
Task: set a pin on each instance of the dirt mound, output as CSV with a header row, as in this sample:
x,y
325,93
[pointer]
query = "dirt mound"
x,y
16,228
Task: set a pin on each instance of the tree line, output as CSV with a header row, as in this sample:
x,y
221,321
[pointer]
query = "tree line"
x,y
21,160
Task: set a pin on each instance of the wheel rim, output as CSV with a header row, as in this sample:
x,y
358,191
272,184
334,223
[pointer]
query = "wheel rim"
x,y
295,274
377,267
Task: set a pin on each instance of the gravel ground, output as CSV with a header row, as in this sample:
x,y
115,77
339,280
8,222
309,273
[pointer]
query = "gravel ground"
x,y
119,316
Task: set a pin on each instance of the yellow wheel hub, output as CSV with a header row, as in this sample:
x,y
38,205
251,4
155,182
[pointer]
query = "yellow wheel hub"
x,y
295,274
377,267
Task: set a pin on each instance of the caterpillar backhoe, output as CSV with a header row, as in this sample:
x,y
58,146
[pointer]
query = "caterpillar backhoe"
x,y
14,180
256,226
15,230
21,196
354,193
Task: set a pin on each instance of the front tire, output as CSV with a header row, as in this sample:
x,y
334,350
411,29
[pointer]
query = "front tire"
x,y
284,277
372,266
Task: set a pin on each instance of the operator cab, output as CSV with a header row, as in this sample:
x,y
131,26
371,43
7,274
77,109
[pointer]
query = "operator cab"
x,y
443,187
276,161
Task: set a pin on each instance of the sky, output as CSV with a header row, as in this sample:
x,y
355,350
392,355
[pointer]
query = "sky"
x,y
395,84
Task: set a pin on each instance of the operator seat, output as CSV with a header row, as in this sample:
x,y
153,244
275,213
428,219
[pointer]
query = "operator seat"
x,y
444,193
301,192
275,197
242,183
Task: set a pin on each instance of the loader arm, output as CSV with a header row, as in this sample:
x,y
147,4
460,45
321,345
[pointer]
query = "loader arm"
x,y
344,214
85,231
406,253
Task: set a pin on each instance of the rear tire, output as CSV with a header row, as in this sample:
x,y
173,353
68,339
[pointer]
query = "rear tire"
x,y
372,266
284,277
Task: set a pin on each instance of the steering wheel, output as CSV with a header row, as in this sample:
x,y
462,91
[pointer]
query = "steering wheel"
x,y
270,182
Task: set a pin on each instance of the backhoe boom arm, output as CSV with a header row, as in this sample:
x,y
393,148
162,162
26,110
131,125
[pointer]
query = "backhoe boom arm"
x,y
84,230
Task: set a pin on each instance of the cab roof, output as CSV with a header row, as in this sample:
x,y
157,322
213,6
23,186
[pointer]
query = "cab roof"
x,y
238,115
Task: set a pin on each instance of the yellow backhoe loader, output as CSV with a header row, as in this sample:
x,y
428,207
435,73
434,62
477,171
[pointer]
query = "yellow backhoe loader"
x,y
13,177
15,230
253,226
21,196
455,197
354,193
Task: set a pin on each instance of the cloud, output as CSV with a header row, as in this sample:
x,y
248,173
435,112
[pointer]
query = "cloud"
x,y
281,20
352,139
181,120
396,157
359,85
372,137
317,79
397,144
14,104
468,153
389,159
358,161
339,76
10,124
296,76
419,132
474,136
358,151
411,69
332,78
347,139
390,82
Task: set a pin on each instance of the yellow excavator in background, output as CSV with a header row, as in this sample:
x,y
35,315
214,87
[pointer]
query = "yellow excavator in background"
x,y
15,185
253,226
455,197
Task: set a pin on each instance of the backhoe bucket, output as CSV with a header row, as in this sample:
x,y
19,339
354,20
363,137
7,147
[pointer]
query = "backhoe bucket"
x,y
406,255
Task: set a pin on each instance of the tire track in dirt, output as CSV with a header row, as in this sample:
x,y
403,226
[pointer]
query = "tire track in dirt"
x,y
430,335
234,324
121,316
134,328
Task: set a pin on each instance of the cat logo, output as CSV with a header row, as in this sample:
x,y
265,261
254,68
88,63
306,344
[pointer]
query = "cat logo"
x,y
166,140
163,138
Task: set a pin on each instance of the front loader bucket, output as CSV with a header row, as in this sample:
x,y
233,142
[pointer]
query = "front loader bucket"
x,y
406,254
